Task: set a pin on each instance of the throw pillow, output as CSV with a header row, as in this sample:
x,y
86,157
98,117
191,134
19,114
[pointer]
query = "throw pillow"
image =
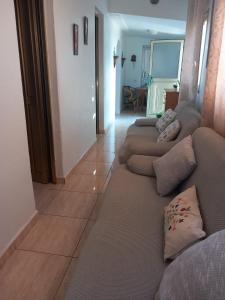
x,y
167,118
175,166
170,133
183,223
142,165
198,273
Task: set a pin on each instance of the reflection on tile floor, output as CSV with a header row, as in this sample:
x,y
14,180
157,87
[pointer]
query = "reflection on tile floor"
x,y
45,257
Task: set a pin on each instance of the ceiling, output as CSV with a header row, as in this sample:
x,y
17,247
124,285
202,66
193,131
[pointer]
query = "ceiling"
x,y
148,26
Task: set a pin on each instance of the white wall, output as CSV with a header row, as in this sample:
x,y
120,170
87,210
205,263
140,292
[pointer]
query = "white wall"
x,y
16,194
169,9
132,72
76,76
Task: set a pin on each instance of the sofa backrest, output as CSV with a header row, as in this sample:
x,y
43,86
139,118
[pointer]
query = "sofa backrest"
x,y
190,120
182,105
209,177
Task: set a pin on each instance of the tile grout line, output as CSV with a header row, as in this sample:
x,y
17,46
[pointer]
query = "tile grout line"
x,y
63,277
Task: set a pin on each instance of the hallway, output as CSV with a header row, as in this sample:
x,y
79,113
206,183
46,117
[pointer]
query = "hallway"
x,y
44,257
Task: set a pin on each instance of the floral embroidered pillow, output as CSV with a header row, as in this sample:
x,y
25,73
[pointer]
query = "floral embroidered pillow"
x,y
183,223
167,118
170,133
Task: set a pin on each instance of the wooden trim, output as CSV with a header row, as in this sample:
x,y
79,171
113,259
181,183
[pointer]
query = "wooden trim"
x,y
97,72
60,180
18,239
43,109
47,92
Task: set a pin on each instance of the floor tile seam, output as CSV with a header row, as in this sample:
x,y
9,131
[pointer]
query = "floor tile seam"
x,y
60,216
42,252
63,277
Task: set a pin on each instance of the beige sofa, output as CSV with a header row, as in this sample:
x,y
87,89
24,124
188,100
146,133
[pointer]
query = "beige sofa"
x,y
123,255
142,135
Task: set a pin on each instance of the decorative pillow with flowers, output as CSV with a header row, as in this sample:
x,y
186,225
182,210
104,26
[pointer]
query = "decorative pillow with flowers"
x,y
170,133
167,118
183,223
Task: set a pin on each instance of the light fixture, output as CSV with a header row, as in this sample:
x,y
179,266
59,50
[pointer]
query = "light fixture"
x,y
154,1
133,58
115,58
123,59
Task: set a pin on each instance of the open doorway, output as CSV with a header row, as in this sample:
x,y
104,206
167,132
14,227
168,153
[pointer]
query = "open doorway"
x,y
31,38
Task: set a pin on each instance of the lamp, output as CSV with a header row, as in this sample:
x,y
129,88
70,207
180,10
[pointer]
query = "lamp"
x,y
133,58
115,58
123,59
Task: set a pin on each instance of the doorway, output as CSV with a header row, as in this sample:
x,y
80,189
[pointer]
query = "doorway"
x,y
97,72
32,47
165,71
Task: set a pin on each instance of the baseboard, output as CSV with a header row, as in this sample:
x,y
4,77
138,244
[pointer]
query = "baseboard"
x,y
17,239
101,131
60,180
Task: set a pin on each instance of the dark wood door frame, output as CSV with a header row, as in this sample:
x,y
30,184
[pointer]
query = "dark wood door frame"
x,y
97,71
31,32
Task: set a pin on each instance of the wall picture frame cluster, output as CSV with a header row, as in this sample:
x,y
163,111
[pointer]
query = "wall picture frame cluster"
x,y
75,39
76,35
85,30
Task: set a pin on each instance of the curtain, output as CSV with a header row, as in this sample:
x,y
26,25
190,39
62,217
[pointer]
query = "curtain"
x,y
214,99
197,10
145,69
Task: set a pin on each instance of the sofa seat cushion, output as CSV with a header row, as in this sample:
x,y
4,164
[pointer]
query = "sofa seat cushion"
x,y
123,255
146,131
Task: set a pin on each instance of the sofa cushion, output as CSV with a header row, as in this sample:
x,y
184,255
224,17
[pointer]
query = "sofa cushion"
x,y
167,118
175,166
184,105
190,120
209,178
183,223
150,132
198,273
123,256
142,140
170,133
146,122
142,165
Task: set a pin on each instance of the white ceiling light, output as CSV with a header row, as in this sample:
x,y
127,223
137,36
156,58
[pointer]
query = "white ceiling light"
x,y
154,1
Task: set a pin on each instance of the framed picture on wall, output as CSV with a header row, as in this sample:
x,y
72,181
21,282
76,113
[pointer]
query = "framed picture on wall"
x,y
75,39
85,30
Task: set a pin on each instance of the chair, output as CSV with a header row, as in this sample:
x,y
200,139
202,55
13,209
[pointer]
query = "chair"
x,y
130,97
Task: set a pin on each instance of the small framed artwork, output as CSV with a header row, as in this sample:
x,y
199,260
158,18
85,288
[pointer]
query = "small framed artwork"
x,y
75,39
85,30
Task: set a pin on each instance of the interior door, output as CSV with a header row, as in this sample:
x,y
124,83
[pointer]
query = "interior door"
x,y
29,14
165,71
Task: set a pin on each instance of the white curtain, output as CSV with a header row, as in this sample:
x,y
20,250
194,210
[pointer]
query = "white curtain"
x,y
146,53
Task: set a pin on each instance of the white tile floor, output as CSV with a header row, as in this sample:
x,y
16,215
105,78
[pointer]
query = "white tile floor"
x,y
40,266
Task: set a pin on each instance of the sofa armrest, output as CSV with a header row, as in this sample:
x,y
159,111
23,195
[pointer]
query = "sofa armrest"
x,y
147,148
146,122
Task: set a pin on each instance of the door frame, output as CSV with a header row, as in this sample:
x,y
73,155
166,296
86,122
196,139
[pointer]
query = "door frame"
x,y
97,73
44,78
